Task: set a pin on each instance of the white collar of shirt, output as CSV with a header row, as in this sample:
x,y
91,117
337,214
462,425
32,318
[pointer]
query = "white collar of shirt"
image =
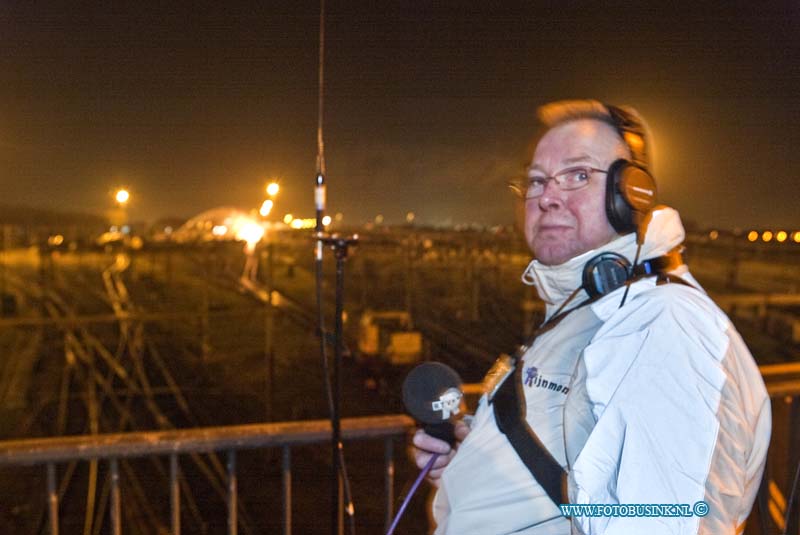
x,y
555,284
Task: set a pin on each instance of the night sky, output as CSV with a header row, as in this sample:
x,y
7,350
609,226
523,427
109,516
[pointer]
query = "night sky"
x,y
430,106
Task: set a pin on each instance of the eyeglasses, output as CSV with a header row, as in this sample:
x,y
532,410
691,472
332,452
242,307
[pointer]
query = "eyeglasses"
x,y
568,180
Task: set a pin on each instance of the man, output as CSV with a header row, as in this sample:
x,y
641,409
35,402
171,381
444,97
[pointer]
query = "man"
x,y
641,390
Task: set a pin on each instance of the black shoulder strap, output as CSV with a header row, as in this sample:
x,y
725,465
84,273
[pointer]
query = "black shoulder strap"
x,y
509,413
510,417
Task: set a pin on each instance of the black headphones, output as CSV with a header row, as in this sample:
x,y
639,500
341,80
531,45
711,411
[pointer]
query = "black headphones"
x,y
608,271
630,188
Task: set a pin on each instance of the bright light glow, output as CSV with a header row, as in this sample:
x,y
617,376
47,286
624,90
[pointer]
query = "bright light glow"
x,y
713,235
266,208
326,220
410,217
122,196
752,235
288,218
273,188
781,236
378,219
219,230
168,230
797,237
249,231
58,239
303,223
767,235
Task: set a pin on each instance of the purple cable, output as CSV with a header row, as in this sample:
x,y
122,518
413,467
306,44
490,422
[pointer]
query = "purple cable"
x,y
411,492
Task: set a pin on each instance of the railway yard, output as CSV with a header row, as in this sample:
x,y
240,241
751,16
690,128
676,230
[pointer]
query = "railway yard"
x,y
176,336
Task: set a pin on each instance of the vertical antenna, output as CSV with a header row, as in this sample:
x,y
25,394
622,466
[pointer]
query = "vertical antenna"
x,y
321,94
319,180
339,482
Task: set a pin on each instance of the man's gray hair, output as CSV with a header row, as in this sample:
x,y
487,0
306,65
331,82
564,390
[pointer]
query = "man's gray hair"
x,y
562,111
638,138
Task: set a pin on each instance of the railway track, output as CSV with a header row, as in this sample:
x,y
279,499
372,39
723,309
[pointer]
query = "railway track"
x,y
107,379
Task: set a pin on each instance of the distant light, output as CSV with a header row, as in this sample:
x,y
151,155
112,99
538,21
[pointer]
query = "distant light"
x,y
338,217
168,230
326,220
122,196
58,239
410,217
273,188
378,219
307,223
288,218
137,243
113,228
219,230
752,235
713,234
126,229
797,237
266,207
781,236
767,236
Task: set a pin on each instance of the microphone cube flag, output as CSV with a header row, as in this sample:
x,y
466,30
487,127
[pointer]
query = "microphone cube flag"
x,y
432,395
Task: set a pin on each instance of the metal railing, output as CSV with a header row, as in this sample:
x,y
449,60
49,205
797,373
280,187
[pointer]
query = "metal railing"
x,y
782,380
284,435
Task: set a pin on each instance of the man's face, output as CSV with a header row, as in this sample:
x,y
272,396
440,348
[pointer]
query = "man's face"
x,y
560,225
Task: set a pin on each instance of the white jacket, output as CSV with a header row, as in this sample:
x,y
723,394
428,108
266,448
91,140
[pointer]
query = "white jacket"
x,y
655,402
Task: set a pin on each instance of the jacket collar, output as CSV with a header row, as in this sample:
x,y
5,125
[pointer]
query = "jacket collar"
x,y
555,284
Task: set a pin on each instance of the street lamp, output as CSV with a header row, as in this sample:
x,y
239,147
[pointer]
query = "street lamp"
x,y
122,196
266,208
273,188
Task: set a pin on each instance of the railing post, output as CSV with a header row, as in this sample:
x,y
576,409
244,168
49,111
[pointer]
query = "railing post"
x,y
388,470
793,524
286,470
232,492
116,522
174,494
52,498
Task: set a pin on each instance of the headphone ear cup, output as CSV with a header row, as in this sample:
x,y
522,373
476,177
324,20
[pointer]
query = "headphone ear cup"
x,y
617,210
630,195
605,273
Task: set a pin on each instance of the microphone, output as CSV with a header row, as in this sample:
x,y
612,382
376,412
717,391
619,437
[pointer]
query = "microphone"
x,y
432,395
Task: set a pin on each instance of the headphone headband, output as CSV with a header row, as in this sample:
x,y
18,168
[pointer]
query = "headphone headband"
x,y
633,133
630,187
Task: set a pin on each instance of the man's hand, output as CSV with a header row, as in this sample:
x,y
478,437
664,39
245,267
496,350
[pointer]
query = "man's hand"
x,y
426,445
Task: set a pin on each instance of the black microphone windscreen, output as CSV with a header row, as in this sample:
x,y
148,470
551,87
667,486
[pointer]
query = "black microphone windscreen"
x,y
432,392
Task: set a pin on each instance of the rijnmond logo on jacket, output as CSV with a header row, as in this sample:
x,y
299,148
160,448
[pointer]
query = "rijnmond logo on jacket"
x,y
532,378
